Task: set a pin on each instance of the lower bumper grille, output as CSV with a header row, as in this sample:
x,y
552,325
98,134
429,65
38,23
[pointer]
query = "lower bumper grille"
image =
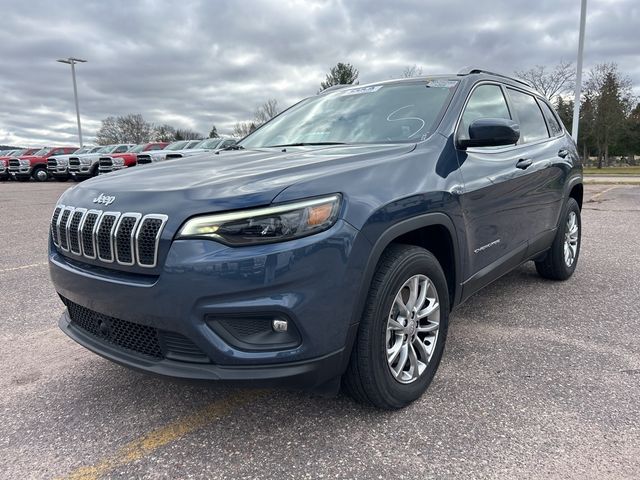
x,y
143,340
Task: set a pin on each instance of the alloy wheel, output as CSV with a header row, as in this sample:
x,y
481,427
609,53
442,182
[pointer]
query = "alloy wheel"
x,y
412,329
571,239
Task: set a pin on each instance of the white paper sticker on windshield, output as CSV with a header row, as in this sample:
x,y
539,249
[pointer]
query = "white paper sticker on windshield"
x,y
358,91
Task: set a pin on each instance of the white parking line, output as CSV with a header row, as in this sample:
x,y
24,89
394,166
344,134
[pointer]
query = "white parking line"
x,y
23,267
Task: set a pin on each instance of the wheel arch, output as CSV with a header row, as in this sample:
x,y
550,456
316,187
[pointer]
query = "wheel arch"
x,y
432,231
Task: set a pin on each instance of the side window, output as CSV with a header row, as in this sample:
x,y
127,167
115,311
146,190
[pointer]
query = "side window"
x,y
57,151
487,101
121,149
554,127
532,125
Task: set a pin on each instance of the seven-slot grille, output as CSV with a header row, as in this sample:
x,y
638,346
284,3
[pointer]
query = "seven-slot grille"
x,y
125,238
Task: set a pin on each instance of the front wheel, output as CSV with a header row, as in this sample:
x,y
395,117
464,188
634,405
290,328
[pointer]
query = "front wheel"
x,y
41,175
560,261
403,330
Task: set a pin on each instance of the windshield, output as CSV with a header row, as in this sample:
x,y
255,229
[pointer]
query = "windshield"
x,y
82,150
96,149
400,112
41,152
177,145
138,148
209,143
192,144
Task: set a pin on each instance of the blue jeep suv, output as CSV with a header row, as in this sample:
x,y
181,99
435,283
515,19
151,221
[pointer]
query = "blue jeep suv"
x,y
329,246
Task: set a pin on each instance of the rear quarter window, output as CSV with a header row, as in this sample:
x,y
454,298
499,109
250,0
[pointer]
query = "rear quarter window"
x,y
552,121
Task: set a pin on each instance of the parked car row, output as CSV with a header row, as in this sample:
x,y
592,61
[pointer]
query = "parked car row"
x,y
64,163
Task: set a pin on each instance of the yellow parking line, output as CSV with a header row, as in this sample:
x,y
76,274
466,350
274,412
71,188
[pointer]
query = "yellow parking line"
x,y
139,448
12,269
602,193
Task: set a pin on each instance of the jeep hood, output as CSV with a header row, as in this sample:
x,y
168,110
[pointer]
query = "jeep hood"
x,y
228,180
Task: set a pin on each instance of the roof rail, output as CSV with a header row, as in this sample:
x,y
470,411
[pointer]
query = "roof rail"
x,y
335,87
472,70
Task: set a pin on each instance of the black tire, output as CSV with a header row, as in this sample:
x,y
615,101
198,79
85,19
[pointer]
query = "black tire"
x,y
553,266
40,175
368,378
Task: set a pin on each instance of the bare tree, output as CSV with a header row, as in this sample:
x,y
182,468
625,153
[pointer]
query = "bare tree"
x,y
187,134
109,132
551,82
131,128
134,128
163,133
266,111
242,129
412,71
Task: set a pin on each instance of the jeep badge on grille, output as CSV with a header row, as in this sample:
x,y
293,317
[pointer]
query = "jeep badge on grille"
x,y
104,199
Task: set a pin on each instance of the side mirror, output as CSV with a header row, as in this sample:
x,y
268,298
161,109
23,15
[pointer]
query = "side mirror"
x,y
491,132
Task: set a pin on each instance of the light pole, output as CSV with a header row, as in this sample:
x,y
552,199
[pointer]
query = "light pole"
x,y
578,90
72,61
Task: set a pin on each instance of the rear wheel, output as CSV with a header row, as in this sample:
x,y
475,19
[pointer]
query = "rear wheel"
x,y
560,261
403,330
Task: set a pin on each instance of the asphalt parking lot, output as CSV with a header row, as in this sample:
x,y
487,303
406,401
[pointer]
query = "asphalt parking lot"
x,y
539,380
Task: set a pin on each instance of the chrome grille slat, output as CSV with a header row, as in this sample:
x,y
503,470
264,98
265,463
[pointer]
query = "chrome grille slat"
x,y
104,236
54,224
128,238
88,230
75,220
147,239
125,238
62,224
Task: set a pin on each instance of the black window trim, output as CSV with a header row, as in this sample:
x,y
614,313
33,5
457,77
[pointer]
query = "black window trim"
x,y
464,107
555,115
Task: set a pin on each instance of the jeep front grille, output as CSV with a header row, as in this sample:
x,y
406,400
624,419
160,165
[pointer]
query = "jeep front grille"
x,y
124,238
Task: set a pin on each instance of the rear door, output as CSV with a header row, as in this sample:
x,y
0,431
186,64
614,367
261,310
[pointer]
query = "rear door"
x,y
541,147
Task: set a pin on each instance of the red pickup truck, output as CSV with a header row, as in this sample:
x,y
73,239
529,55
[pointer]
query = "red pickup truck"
x,y
111,162
34,166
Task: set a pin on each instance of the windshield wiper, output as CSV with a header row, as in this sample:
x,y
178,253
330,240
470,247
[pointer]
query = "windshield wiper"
x,y
305,144
234,147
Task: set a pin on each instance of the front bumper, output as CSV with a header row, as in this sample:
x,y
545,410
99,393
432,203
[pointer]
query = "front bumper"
x,y
303,374
312,281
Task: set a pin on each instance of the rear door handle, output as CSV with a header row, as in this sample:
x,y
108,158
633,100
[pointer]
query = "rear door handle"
x,y
524,163
563,152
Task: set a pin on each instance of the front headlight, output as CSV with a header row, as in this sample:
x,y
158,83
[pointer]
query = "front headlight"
x,y
266,225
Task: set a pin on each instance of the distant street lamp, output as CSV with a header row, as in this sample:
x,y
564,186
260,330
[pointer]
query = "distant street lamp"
x,y
72,61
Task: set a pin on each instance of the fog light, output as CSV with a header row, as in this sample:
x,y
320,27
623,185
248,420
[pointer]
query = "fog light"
x,y
279,325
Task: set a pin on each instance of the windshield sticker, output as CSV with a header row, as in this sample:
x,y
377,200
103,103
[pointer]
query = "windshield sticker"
x,y
361,90
441,83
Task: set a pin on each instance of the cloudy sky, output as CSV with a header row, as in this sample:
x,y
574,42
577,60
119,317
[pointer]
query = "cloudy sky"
x,y
197,63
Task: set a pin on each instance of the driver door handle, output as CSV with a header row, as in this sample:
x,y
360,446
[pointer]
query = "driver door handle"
x,y
524,163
